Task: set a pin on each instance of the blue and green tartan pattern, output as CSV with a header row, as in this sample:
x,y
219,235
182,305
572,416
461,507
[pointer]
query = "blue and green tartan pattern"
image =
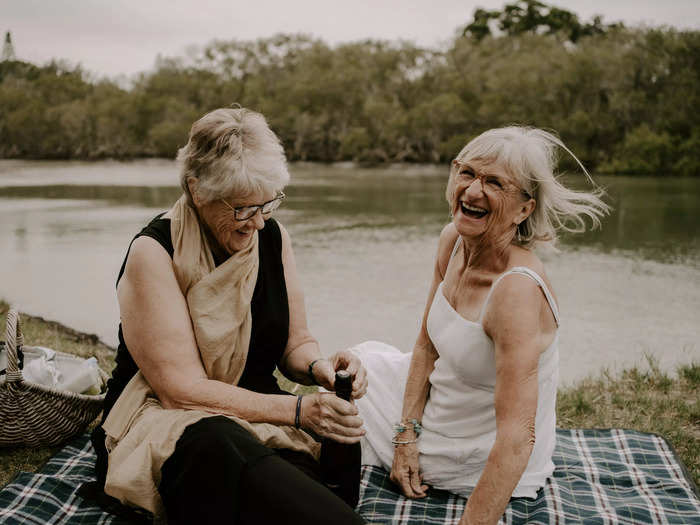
x,y
49,496
601,477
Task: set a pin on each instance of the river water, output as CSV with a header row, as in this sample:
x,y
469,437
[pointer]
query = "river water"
x,y
365,241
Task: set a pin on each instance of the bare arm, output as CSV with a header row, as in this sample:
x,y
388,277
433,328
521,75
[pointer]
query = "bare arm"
x,y
324,413
514,320
405,470
158,332
302,348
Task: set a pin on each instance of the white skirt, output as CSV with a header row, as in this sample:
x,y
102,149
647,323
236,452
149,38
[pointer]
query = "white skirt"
x,y
447,463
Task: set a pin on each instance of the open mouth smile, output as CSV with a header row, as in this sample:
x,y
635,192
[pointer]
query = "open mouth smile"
x,y
472,211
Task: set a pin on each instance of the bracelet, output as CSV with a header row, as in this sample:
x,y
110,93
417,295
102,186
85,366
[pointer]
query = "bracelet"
x,y
311,370
297,415
399,428
395,441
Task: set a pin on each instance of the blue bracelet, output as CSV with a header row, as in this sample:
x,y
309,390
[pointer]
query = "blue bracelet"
x,y
400,428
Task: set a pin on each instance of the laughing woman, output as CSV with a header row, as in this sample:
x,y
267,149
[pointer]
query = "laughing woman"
x,y
477,414
194,425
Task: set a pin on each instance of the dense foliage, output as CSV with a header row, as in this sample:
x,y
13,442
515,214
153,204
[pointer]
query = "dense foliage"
x,y
626,100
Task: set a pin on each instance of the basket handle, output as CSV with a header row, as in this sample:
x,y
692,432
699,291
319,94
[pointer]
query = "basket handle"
x,y
14,340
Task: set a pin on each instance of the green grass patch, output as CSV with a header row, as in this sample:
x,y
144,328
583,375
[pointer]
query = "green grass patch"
x,y
645,400
40,332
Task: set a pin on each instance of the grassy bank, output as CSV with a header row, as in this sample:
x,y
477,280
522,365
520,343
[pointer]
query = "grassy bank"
x,y
645,400
649,401
40,332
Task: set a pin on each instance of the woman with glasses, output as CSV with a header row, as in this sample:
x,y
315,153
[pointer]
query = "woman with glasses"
x,y
476,414
195,426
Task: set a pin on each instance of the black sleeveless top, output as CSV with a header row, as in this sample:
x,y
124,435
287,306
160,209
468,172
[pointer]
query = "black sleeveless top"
x,y
269,332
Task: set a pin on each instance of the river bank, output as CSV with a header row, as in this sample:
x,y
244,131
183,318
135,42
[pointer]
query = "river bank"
x,y
365,240
405,166
380,101
645,400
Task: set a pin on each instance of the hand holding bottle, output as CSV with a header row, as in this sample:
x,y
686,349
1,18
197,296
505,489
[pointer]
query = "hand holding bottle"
x,y
324,372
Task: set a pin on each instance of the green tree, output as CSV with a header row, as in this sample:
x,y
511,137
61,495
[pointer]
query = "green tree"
x,y
532,16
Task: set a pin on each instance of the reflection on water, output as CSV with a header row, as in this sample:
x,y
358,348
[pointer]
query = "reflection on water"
x,y
654,218
365,241
146,196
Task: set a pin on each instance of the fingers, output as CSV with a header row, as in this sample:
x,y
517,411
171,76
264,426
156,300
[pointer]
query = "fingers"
x,y
332,417
324,373
347,360
359,385
405,472
338,405
416,486
402,479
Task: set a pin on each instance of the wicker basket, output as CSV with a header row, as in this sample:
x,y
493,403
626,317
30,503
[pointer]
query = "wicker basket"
x,y
33,414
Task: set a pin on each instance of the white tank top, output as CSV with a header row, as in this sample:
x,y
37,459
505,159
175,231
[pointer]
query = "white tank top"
x,y
461,410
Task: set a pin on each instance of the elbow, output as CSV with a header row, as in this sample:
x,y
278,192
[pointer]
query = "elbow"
x,y
178,395
171,402
172,399
520,441
530,434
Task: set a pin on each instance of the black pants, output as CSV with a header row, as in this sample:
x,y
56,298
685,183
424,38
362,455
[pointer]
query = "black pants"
x,y
220,474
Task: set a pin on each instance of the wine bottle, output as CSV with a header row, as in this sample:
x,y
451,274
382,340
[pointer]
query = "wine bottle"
x,y
340,462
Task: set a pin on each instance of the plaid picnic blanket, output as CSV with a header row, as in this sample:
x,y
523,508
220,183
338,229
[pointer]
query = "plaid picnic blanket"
x,y
601,476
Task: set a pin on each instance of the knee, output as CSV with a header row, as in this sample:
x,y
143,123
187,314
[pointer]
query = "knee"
x,y
209,444
206,450
199,481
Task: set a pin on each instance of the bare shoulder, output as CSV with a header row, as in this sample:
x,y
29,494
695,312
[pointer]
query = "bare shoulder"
x,y
515,296
512,320
518,312
147,258
530,260
448,237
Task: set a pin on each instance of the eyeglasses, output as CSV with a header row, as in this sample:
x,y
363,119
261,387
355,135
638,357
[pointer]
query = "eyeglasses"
x,y
489,182
243,213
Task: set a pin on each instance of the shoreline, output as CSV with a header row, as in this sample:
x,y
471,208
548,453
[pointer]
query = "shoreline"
x,y
349,164
645,399
75,335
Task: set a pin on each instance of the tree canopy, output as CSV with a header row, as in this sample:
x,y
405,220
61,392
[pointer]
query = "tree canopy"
x,y
626,100
532,16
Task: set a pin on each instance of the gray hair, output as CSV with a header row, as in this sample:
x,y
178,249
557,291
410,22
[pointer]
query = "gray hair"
x,y
232,151
529,154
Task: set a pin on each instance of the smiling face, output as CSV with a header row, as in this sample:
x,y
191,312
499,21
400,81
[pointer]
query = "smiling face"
x,y
487,200
231,235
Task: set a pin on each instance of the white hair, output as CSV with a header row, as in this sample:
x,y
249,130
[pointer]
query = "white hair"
x,y
529,154
232,151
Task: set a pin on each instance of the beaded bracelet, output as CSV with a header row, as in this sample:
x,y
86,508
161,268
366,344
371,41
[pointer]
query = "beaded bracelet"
x,y
400,428
395,441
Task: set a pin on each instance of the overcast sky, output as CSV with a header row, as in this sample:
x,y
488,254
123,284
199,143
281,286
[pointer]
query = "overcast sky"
x,y
122,37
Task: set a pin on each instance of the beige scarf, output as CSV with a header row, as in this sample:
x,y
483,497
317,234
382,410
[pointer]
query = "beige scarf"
x,y
141,434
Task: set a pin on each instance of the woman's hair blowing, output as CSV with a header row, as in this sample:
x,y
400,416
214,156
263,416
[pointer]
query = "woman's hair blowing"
x,y
530,155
